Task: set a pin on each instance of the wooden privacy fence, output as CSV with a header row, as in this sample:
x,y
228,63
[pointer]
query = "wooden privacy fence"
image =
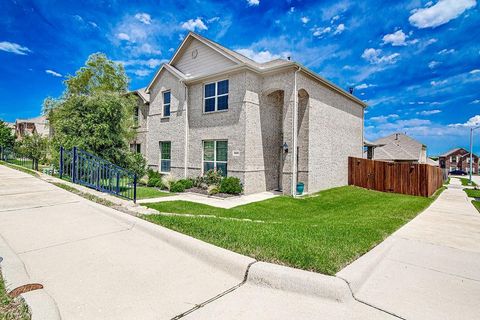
x,y
407,178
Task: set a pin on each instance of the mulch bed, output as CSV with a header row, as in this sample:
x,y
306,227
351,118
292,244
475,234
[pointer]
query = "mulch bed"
x,y
205,192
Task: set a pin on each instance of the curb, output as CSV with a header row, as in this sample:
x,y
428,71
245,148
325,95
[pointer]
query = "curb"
x,y
299,281
40,304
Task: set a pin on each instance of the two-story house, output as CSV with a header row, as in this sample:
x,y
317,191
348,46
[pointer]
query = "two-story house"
x,y
270,124
458,159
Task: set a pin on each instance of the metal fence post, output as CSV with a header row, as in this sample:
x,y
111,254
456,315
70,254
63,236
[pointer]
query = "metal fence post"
x,y
118,182
60,171
135,188
74,165
98,177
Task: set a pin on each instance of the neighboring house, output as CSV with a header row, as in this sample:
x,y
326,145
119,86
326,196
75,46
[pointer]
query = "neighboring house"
x,y
270,124
11,125
29,126
458,159
433,162
397,147
139,144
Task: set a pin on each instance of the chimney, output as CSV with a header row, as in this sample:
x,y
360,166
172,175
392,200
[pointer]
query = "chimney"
x,y
350,90
396,136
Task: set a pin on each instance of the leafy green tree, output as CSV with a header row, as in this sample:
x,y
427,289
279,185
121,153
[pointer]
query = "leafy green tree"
x,y
94,113
6,136
34,147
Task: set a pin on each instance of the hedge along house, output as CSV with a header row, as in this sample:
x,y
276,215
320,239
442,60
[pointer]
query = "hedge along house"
x,y
270,124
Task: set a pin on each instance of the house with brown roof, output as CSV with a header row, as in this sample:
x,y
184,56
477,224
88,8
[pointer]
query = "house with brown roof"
x,y
458,159
38,125
397,147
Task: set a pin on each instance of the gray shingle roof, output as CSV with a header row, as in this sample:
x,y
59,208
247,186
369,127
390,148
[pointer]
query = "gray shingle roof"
x,y
398,146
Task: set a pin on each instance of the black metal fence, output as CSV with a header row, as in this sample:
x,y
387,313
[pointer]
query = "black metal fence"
x,y
84,168
9,155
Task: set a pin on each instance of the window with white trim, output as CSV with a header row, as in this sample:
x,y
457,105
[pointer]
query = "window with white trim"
x,y
165,156
215,156
216,96
136,147
136,116
453,158
166,103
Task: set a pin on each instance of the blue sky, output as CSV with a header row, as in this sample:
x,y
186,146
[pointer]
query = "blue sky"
x,y
417,63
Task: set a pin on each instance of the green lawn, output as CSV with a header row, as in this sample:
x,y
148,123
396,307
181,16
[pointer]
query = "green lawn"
x,y
476,204
466,182
472,193
11,309
323,232
19,168
147,193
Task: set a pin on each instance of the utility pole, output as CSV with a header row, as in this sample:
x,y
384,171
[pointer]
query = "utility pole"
x,y
471,151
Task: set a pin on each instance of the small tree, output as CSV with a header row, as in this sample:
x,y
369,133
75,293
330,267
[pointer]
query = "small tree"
x,y
34,147
6,136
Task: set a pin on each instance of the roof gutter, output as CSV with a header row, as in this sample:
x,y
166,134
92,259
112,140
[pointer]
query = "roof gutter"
x,y
295,133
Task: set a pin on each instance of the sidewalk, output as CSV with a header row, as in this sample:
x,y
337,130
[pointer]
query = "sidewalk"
x,y
225,203
428,269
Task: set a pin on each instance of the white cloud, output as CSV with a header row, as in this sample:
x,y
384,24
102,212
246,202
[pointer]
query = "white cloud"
x,y
395,39
440,13
433,64
14,48
335,18
477,101
214,19
53,73
151,63
472,122
123,36
438,83
253,2
144,18
429,112
305,19
193,25
364,86
383,119
474,71
142,72
261,56
446,51
340,28
319,32
375,56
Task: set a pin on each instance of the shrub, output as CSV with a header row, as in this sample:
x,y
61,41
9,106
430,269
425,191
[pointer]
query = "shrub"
x,y
167,181
155,182
213,189
153,174
212,177
187,183
136,163
177,186
231,185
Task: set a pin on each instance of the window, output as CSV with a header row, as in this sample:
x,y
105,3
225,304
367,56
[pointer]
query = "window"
x,y
135,117
136,147
215,154
453,159
216,96
165,156
166,104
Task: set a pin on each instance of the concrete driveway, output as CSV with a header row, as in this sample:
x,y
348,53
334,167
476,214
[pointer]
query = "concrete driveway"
x,y
428,269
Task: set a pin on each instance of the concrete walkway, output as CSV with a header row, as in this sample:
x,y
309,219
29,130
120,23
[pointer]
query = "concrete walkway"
x,y
97,263
225,203
428,269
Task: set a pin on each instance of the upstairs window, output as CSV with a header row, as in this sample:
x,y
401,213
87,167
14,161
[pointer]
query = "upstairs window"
x,y
166,104
216,96
135,117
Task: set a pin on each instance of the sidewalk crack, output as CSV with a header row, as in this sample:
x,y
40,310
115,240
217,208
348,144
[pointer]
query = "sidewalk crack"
x,y
218,296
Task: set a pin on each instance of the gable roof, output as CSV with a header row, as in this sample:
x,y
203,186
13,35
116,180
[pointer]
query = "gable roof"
x,y
446,154
398,146
243,61
143,95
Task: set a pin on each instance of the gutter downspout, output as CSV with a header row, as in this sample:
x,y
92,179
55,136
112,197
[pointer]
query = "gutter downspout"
x,y
185,151
295,135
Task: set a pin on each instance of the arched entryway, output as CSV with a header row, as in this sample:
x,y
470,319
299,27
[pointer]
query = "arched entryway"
x,y
303,137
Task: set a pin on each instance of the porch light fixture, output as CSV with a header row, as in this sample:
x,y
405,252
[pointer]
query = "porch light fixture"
x,y
285,147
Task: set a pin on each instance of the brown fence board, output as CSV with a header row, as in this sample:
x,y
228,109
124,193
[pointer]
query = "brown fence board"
x,y
407,178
